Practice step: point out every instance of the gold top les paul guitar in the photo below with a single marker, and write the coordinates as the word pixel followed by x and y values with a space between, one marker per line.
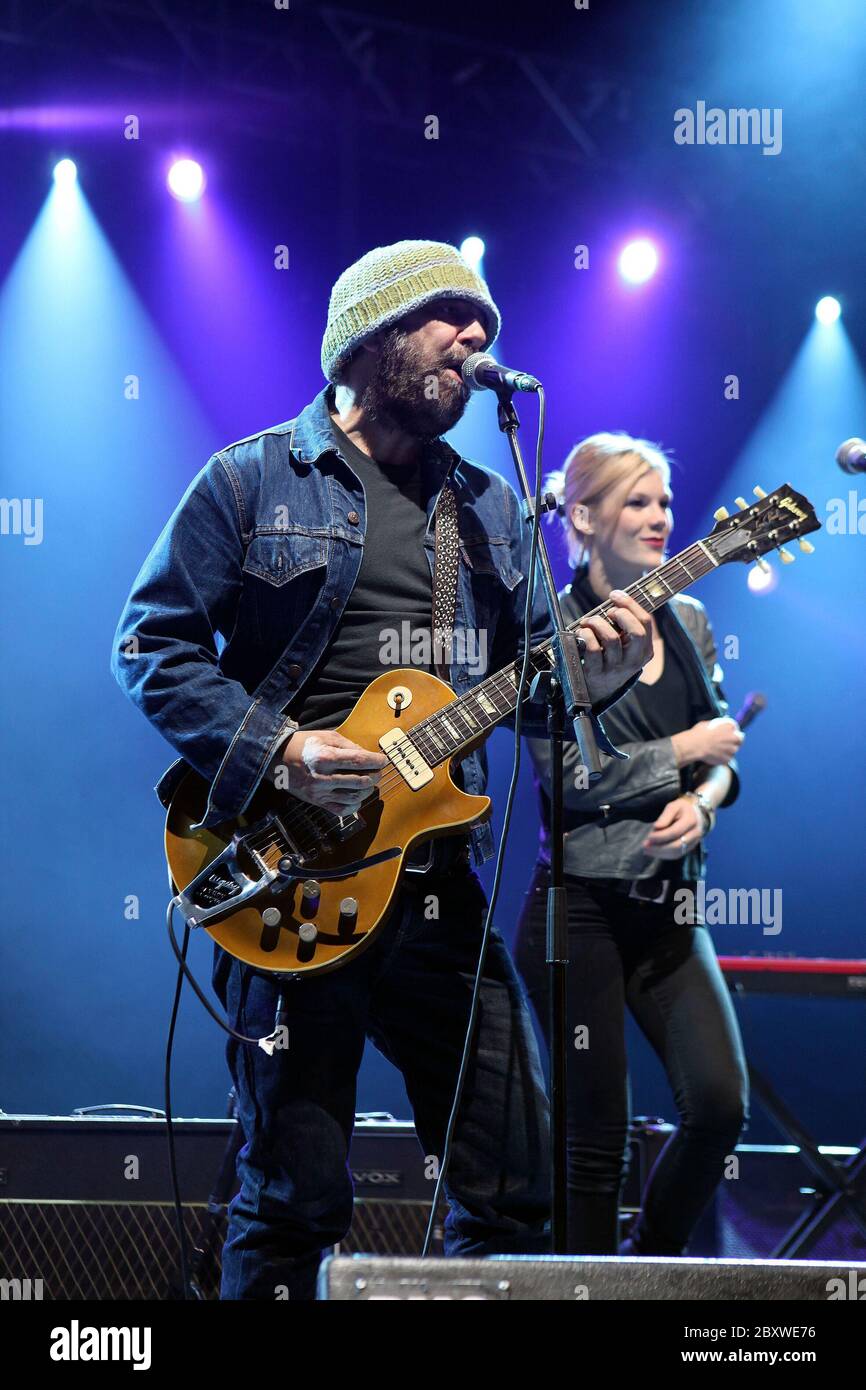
pixel 292 888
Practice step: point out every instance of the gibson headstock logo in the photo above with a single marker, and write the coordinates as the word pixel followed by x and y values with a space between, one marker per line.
pixel 790 505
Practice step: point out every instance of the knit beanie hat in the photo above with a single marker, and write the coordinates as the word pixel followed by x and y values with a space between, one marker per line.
pixel 392 281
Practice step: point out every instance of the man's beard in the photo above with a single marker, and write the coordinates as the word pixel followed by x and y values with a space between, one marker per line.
pixel 410 393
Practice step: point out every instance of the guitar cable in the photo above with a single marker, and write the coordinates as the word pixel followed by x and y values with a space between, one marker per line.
pixel 184 970
pixel 183 1245
pixel 500 858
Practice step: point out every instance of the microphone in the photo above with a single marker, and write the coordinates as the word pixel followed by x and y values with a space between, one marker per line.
pixel 481 371
pixel 750 708
pixel 850 456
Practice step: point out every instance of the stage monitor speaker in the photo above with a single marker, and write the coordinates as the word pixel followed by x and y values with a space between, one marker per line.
pixel 563 1278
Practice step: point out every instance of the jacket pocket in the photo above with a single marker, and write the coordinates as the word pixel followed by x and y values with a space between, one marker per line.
pixel 278 557
pixel 283 577
pixel 484 557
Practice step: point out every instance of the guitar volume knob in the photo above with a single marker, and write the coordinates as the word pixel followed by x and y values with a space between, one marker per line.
pixel 348 909
pixel 308 931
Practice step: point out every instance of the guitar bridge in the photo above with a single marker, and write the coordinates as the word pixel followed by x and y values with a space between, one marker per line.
pixel 347 826
pixel 244 869
pixel 216 887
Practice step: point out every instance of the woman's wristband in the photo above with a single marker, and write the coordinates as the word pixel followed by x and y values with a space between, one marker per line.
pixel 703 803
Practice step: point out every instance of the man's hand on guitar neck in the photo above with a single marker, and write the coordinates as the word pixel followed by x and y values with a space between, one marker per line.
pixel 326 769
pixel 614 654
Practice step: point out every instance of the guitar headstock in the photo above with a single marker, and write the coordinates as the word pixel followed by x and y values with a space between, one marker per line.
pixel 776 518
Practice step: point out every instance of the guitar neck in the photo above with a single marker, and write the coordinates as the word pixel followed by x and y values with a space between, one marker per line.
pixel 656 588
pixel 461 723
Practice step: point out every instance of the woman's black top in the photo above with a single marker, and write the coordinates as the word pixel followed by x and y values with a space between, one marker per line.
pixel 666 704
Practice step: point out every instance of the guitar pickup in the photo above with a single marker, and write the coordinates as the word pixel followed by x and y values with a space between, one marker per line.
pixel 403 754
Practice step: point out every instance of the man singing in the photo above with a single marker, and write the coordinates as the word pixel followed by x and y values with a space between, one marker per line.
pixel 302 546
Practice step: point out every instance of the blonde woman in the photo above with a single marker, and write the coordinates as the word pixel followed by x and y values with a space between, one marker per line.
pixel 633 843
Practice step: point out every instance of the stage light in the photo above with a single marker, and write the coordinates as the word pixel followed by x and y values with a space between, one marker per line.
pixel 828 309
pixel 186 180
pixel 762 581
pixel 65 173
pixel 638 261
pixel 472 250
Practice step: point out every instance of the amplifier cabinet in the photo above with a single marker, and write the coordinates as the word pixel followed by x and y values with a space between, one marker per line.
pixel 772 1189
pixel 86 1207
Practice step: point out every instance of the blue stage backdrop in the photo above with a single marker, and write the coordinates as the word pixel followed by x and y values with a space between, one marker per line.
pixel 138 334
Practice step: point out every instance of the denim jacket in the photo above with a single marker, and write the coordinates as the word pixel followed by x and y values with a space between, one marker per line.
pixel 243 590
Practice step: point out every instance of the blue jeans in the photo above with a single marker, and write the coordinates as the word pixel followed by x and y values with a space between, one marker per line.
pixel 629 954
pixel 409 993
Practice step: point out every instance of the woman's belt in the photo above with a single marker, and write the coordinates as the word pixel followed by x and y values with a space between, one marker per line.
pixel 605 815
pixel 650 890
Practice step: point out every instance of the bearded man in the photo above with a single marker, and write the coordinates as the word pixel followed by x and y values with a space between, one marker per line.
pixel 302 546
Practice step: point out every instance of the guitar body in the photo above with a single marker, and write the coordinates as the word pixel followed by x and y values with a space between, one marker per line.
pixel 395 820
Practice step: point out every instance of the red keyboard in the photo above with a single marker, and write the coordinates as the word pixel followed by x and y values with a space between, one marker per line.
pixel 802 975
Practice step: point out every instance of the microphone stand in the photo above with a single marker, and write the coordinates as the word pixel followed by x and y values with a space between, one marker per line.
pixel 564 692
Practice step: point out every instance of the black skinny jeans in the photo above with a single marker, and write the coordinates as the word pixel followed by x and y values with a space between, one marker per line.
pixel 625 952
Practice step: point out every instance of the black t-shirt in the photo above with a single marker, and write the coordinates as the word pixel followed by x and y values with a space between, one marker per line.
pixel 393 588
pixel 665 706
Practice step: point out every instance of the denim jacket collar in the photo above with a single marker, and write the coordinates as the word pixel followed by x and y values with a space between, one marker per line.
pixel 312 436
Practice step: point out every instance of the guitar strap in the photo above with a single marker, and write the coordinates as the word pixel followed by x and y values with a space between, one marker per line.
pixel 446 565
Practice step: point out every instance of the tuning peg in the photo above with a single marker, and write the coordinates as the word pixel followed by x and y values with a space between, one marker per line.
pixel 758 491
pixel 785 556
pixel 762 565
pixel 806 546
pixel 721 514
pixel 741 503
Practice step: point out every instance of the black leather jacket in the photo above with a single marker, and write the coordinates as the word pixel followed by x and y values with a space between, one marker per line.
pixel 607 844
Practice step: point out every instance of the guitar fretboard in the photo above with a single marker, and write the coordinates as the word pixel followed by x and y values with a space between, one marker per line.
pixel 472 715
